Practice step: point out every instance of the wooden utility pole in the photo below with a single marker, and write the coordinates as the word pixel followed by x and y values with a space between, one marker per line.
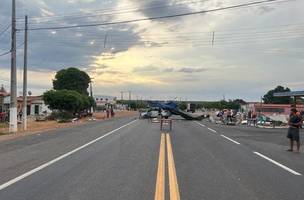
pixel 13 101
pixel 213 35
pixel 24 113
pixel 91 94
pixel 122 95
pixel 130 96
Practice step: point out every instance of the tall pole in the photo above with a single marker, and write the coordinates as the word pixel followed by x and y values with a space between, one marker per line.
pixel 24 113
pixel 213 38
pixel 91 94
pixel 130 96
pixel 122 95
pixel 13 102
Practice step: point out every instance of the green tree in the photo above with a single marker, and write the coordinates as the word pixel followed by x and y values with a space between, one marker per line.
pixel 182 105
pixel 239 101
pixel 270 99
pixel 67 101
pixel 72 79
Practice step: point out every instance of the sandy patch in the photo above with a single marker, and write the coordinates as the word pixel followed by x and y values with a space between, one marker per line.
pixel 35 127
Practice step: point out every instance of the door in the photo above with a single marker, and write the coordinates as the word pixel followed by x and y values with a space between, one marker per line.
pixel 36 109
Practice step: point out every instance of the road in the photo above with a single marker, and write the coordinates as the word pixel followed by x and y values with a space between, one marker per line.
pixel 133 160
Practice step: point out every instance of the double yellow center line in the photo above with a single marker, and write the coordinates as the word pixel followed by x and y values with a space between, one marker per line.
pixel 161 171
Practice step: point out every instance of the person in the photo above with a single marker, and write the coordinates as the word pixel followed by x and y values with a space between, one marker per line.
pixel 249 120
pixel 254 119
pixel 229 116
pixel 112 112
pixel 293 134
pixel 108 112
pixel 20 115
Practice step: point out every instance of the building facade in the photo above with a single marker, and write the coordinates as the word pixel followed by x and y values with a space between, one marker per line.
pixel 270 109
pixel 35 105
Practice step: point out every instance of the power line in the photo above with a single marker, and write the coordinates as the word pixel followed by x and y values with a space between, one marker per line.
pixel 153 18
pixel 185 36
pixel 8 52
pixel 5 53
pixel 2 32
pixel 193 43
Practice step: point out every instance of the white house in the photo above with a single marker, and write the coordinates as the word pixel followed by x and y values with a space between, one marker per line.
pixel 35 105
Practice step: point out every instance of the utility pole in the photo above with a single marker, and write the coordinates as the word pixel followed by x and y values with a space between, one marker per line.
pixel 25 75
pixel 122 95
pixel 91 94
pixel 105 41
pixel 213 38
pixel 130 96
pixel 13 101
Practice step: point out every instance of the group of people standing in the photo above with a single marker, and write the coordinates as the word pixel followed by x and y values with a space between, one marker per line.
pixel 110 111
pixel 226 115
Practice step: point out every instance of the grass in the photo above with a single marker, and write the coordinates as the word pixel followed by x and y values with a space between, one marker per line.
pixel 4 133
pixel 3 125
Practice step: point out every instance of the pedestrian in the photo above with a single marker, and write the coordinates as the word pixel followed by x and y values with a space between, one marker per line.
pixel 249 119
pixel 112 112
pixel 295 122
pixel 254 119
pixel 20 115
pixel 108 113
pixel 229 116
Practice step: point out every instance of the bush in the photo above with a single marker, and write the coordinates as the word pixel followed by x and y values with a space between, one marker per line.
pixel 56 115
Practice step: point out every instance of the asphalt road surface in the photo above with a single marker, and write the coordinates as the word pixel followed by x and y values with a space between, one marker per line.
pixel 132 159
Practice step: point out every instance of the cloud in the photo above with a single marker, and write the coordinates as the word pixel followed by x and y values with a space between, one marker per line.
pixel 191 70
pixel 145 69
pixel 254 49
pixel 161 7
pixel 154 69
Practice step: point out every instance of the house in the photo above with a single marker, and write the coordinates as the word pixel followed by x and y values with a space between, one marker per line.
pixel 35 105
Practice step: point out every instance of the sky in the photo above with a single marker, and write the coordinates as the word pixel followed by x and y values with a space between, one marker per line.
pixel 235 53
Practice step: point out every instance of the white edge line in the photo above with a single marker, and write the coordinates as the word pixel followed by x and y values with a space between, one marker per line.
pixel 200 124
pixel 230 139
pixel 15 180
pixel 210 129
pixel 278 164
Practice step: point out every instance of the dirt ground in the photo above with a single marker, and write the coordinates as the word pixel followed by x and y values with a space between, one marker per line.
pixel 35 127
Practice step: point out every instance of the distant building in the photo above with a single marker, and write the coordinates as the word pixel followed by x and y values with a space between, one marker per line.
pixel 270 109
pixel 102 100
pixel 297 96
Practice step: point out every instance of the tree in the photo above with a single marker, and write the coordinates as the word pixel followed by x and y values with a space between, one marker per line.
pixel 67 101
pixel 72 79
pixel 239 101
pixel 270 99
pixel 182 105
